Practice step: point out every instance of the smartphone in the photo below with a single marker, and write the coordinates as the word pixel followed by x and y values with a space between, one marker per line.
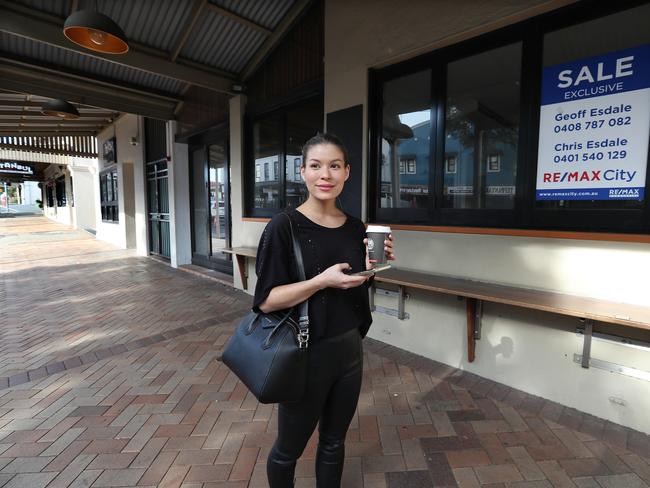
pixel 370 272
pixel 367 272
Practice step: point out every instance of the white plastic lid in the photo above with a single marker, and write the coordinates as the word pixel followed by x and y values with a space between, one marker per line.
pixel 378 228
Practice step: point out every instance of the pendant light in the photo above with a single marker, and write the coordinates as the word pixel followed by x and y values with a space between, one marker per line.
pixel 96 32
pixel 60 108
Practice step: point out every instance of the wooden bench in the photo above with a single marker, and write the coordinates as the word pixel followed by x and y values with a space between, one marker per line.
pixel 242 254
pixel 590 310
pixel 477 292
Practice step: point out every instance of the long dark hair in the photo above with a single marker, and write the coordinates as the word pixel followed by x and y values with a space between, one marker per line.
pixel 324 138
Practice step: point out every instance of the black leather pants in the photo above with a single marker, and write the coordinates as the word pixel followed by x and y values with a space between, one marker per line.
pixel 331 395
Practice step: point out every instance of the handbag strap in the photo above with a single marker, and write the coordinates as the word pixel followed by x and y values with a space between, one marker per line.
pixel 303 309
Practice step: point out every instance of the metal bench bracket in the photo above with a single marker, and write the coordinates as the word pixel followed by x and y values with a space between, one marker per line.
pixel 401 296
pixel 586 345
pixel 474 315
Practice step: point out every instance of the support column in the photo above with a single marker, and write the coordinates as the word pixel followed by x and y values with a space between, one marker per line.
pixel 237 110
pixel 140 186
pixel 179 200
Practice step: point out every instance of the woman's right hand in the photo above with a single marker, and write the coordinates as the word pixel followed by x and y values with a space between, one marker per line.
pixel 335 277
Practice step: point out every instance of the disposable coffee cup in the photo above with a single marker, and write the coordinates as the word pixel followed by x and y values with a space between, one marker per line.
pixel 377 234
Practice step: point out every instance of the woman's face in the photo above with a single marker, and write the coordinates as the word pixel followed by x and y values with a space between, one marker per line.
pixel 325 172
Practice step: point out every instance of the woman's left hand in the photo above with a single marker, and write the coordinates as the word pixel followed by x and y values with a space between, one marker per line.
pixel 388 249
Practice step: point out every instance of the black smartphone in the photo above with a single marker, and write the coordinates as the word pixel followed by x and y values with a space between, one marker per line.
pixel 370 272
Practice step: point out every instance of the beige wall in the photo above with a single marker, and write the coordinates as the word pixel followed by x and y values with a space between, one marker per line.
pixel 63 215
pixel 83 178
pixel 130 231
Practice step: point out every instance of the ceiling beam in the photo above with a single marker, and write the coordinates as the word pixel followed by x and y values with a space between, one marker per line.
pixel 197 8
pixel 23 78
pixel 287 22
pixel 20 21
pixel 36 113
pixel 83 109
pixel 46 133
pixel 238 18
pixel 60 152
pixel 24 123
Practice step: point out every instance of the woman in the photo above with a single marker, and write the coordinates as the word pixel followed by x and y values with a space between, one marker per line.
pixel 333 244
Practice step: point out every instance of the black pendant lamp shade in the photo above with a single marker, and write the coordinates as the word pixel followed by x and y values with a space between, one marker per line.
pixel 96 32
pixel 61 109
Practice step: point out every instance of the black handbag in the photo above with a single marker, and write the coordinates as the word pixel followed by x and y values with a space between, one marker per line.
pixel 268 351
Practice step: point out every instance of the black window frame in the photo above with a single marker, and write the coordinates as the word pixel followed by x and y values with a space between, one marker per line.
pixel 61 197
pixel 254 114
pixel 49 195
pixel 525 214
pixel 110 209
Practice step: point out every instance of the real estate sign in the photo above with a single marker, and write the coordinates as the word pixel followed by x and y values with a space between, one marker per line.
pixel 594 128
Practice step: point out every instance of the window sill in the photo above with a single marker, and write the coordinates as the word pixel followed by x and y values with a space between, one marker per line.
pixel 546 234
pixel 549 234
pixel 256 219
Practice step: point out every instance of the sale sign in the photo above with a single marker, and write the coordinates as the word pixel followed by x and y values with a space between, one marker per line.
pixel 594 128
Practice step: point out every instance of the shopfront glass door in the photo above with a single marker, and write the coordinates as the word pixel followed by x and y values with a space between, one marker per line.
pixel 219 214
pixel 210 207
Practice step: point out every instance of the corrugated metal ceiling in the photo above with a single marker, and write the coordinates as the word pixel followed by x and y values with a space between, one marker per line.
pixel 222 42
pixel 47 54
pixel 269 14
pixel 216 43
pixel 155 23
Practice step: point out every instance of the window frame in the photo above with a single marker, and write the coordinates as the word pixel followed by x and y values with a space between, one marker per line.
pixel 49 195
pixel 105 204
pixel 60 191
pixel 525 214
pixel 254 115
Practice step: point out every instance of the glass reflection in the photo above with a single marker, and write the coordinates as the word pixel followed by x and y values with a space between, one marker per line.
pixel 267 147
pixel 405 143
pixel 482 129
pixel 218 204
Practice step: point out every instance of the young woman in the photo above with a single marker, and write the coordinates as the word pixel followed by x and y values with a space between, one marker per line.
pixel 333 244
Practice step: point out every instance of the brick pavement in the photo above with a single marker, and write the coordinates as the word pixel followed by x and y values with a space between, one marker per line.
pixel 165 412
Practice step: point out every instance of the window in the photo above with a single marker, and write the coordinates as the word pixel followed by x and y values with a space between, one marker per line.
pixel 407 166
pixel 493 163
pixel 405 135
pixel 276 151
pixel 297 164
pixel 450 163
pixel 568 44
pixel 60 191
pixel 108 196
pixel 49 194
pixel 470 118
pixel 267 147
pixel 481 116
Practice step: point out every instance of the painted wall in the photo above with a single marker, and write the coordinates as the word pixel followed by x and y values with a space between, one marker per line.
pixel 82 172
pixel 531 351
pixel 130 231
pixel 31 193
pixel 179 198
pixel 63 214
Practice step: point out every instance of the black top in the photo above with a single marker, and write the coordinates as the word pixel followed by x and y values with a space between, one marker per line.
pixel 332 311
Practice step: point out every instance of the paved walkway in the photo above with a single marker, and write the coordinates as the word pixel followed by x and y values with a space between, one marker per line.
pixel 110 377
